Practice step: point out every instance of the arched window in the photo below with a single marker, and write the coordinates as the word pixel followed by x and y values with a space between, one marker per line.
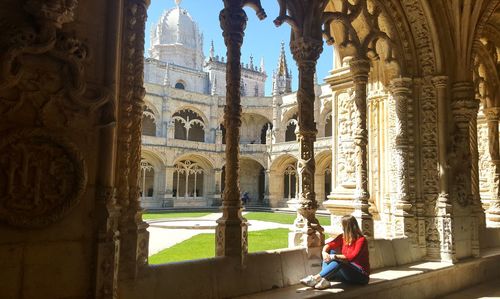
pixel 290 128
pixel 180 85
pixel 290 182
pixel 328 125
pixel 263 133
pixel 188 179
pixel 148 123
pixel 189 125
pixel 148 176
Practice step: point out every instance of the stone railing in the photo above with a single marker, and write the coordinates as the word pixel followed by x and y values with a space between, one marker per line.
pixel 153 140
pixel 292 146
pixel 194 145
pixel 252 148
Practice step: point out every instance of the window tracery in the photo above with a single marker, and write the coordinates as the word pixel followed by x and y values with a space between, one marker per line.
pixel 188 179
pixel 189 125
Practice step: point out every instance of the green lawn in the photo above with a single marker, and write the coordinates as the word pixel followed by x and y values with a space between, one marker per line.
pixel 282 217
pixel 170 215
pixel 203 246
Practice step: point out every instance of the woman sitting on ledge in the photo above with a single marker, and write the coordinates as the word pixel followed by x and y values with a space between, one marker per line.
pixel 351 264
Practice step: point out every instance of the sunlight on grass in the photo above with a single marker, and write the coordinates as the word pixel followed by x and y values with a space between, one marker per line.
pixel 282 217
pixel 171 215
pixel 203 246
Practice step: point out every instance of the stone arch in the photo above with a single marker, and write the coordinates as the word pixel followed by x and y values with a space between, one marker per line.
pixel 289 114
pixel 194 109
pixel 251 127
pixel 202 159
pixel 150 183
pixel 290 127
pixel 193 175
pixel 150 117
pixel 279 163
pixel 189 125
pixel 180 84
pixel 252 180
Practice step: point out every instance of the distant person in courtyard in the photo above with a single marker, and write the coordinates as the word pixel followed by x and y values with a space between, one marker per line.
pixel 245 198
pixel 345 258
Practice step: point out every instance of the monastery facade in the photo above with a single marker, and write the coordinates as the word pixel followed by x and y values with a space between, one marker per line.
pixel 183 132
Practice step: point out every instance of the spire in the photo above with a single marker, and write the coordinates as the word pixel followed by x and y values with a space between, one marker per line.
pixel 282 79
pixel 282 66
pixel 262 69
pixel 251 61
pixel 212 50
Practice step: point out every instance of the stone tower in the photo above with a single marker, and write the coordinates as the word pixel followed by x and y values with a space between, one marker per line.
pixel 282 77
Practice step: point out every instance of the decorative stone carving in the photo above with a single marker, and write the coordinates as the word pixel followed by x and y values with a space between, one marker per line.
pixel 133 234
pixel 401 91
pixel 306 45
pixel 42 177
pixel 360 69
pixel 231 231
pixel 493 118
pixel 346 169
pixel 464 109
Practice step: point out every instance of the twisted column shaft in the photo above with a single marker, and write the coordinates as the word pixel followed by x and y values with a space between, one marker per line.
pixel 405 225
pixel 360 69
pixel 231 231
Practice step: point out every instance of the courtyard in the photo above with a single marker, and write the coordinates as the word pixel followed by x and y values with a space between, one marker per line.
pixel 187 235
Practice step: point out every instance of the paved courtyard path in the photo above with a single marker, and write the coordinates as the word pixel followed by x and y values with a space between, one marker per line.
pixel 161 238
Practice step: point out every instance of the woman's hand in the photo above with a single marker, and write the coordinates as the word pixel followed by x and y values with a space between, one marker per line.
pixel 326 257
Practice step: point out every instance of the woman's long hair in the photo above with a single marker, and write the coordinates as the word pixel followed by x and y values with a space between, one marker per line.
pixel 351 229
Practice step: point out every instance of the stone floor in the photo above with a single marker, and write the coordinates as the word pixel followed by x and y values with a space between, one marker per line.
pixel 485 290
pixel 417 280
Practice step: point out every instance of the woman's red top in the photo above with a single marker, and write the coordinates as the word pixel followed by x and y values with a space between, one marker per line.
pixel 356 252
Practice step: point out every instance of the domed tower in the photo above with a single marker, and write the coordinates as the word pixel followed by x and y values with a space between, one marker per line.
pixel 176 39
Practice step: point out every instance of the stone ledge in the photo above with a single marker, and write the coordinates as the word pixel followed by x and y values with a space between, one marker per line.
pixel 416 280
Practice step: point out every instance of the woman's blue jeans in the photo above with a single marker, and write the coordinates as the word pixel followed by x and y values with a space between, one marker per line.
pixel 345 271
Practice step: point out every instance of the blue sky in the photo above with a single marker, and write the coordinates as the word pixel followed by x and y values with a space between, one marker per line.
pixel 262 38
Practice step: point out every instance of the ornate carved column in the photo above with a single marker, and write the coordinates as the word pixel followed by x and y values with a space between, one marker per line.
pixel 464 110
pixel 493 118
pixel 133 233
pixel 231 231
pixel 360 69
pixel 404 210
pixel 306 45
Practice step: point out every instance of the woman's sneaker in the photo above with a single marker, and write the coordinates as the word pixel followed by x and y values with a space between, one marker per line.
pixel 322 284
pixel 310 281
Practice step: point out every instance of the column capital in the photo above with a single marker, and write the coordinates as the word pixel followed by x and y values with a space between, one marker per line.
pixel 440 81
pixel 464 106
pixel 401 85
pixel 492 113
pixel 306 51
pixel 360 68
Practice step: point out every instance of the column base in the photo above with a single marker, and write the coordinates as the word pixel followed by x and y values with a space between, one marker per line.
pixel 299 238
pixel 293 204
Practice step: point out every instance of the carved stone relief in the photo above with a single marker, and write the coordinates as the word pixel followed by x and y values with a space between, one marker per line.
pixel 346 169
pixel 41 177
